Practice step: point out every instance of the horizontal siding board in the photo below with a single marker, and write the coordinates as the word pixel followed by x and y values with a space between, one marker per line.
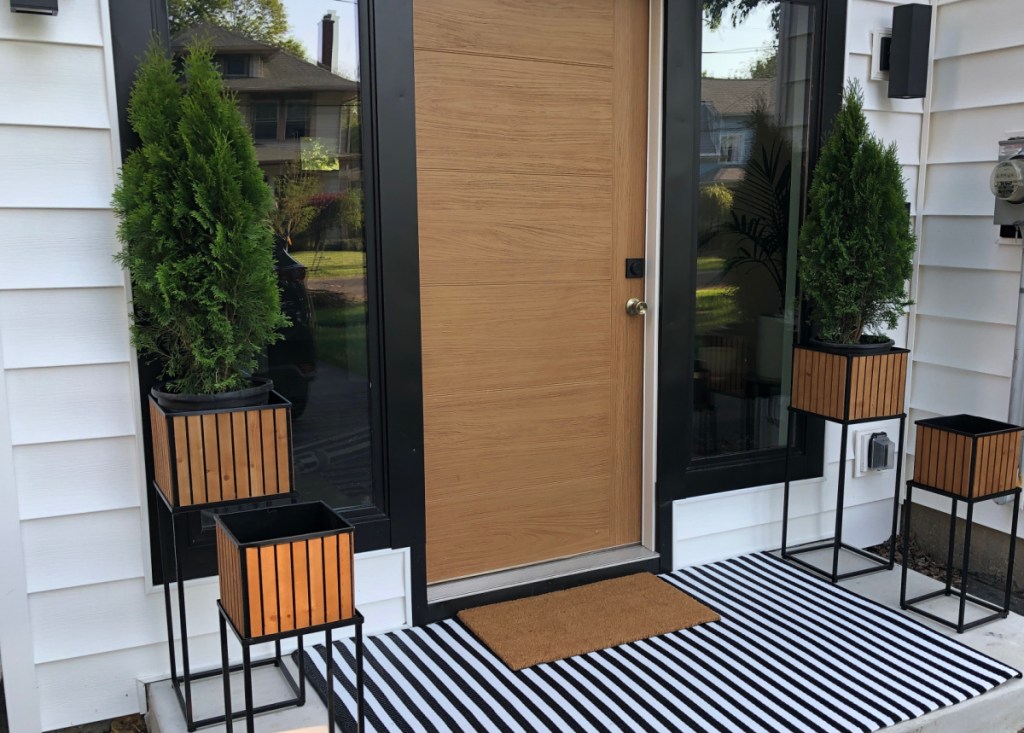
pixel 986 348
pixel 77 477
pixel 902 128
pixel 967 243
pixel 64 552
pixel 78 621
pixel 979 80
pixel 972 135
pixel 977 26
pixel 969 295
pixel 54 167
pixel 43 328
pixel 70 403
pixel 54 85
pixel 77 251
pixel 949 391
pixel 79 22
pixel 959 189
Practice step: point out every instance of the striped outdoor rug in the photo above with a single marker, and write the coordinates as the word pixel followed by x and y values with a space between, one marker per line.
pixel 791 653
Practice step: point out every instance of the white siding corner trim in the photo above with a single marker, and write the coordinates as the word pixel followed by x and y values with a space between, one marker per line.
pixel 16 653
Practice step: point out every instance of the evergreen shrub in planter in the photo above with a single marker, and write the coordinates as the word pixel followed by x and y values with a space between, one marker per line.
pixel 194 220
pixel 856 256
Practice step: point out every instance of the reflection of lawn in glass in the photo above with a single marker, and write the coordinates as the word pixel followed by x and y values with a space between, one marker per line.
pixel 332 264
pixel 341 336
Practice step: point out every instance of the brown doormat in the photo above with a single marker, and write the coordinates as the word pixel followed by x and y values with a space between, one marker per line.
pixel 579 620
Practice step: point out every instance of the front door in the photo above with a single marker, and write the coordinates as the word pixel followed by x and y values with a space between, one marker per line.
pixel 531 122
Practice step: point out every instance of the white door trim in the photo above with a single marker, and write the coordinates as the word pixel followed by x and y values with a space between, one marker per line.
pixel 652 281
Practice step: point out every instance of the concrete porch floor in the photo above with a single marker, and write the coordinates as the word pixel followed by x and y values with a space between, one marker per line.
pixel 998 711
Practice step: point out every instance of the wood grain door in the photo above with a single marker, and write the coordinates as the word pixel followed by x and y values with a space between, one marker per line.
pixel 531 163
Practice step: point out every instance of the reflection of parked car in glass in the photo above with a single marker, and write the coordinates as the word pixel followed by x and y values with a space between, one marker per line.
pixel 291 362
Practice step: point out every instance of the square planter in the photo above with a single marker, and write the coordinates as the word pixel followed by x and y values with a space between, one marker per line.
pixel 849 387
pixel 967 456
pixel 209 456
pixel 285 568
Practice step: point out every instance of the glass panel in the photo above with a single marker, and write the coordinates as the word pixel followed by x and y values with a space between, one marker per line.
pixel 756 79
pixel 304 104
pixel 264 121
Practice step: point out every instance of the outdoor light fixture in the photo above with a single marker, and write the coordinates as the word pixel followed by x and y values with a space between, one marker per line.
pixel 36 7
pixel 908 51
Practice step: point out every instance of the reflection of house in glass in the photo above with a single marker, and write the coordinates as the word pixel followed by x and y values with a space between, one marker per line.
pixel 727 134
pixel 296 110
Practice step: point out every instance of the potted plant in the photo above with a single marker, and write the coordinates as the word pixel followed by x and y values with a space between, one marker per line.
pixel 759 228
pixel 194 221
pixel 856 257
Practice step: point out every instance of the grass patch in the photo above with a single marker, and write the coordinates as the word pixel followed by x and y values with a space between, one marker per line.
pixel 341 336
pixel 332 264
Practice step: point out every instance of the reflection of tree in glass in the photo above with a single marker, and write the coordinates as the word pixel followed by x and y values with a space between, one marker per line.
pixel 714 11
pixel 261 20
pixel 293 212
pixel 759 220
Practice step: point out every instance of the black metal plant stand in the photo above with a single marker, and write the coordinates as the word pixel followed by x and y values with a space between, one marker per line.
pixel 909 604
pixel 836 543
pixel 247 665
pixel 177 517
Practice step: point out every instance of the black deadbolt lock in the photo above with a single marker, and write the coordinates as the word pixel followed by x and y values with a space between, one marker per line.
pixel 635 267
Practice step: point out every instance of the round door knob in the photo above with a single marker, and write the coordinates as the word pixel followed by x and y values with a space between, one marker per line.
pixel 636 307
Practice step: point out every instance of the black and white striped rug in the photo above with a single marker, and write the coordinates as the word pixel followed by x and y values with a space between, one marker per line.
pixel 791 653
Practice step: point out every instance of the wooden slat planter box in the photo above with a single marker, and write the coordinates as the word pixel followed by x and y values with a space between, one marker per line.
pixel 877 383
pixel 210 456
pixel 285 568
pixel 967 456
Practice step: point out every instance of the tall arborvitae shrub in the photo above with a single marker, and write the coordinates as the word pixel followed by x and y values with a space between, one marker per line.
pixel 194 212
pixel 856 244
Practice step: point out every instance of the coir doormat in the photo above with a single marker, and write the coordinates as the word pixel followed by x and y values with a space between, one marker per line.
pixel 596 616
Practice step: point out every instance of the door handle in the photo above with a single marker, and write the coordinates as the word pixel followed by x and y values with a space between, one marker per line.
pixel 636 307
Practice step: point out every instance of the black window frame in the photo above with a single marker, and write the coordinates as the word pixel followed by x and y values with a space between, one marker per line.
pixel 679 475
pixel 223 60
pixel 395 519
pixel 276 119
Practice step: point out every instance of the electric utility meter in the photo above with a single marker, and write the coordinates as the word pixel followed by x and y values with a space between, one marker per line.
pixel 1007 182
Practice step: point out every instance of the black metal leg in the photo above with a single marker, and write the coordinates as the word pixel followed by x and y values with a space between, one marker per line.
pixel 160 530
pixel 250 724
pixel 966 566
pixel 277 653
pixel 896 495
pixel 225 673
pixel 906 545
pixel 359 676
pixel 179 564
pixel 785 486
pixel 302 675
pixel 840 499
pixel 950 546
pixel 330 682
pixel 1013 549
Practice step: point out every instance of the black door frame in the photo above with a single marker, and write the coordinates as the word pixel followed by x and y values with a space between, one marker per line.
pixel 677 476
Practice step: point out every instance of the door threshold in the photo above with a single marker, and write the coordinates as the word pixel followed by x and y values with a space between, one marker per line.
pixel 504 579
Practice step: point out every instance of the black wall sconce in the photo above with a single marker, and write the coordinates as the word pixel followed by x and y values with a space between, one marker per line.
pixel 36 7
pixel 905 55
